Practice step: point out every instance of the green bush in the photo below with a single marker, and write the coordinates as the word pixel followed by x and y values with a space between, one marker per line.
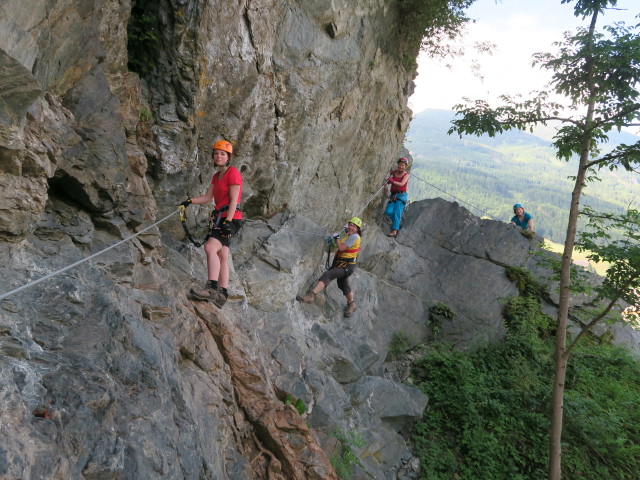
pixel 398 345
pixel 298 404
pixel 438 313
pixel 527 286
pixel 345 464
pixel 143 41
pixel 488 413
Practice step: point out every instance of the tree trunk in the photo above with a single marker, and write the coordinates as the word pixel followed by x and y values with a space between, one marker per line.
pixel 561 354
pixel 557 398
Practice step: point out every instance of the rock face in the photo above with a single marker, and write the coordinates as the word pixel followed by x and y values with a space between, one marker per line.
pixel 107 370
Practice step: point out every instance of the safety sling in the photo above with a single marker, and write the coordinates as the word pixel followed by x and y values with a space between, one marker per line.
pixel 214 223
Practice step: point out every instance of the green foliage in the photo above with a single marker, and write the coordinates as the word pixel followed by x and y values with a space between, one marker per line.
pixel 143 42
pixel 145 114
pixel 488 409
pixel 527 233
pixel 525 321
pixel 437 314
pixel 601 70
pixel 297 403
pixel 427 23
pixel 623 254
pixel 526 284
pixel 601 428
pixel 398 345
pixel 345 463
pixel 596 73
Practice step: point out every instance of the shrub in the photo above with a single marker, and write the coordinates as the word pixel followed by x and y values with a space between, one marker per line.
pixel 345 463
pixel 488 413
pixel 143 41
pixel 298 404
pixel 437 314
pixel 398 345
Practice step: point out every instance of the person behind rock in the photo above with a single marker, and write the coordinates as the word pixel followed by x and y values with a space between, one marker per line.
pixel 344 263
pixel 521 218
pixel 398 196
pixel 226 191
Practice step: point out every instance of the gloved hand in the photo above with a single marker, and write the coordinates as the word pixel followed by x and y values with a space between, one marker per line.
pixel 225 228
pixel 389 180
pixel 335 235
pixel 186 203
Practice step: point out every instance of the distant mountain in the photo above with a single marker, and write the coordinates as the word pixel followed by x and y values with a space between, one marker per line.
pixel 488 175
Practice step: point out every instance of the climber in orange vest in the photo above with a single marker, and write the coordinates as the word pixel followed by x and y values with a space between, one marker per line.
pixel 225 190
pixel 344 263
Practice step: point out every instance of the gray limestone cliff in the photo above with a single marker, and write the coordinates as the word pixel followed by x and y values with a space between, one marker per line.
pixel 108 370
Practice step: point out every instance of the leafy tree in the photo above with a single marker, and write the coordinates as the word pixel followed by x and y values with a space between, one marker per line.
pixel 623 254
pixel 427 24
pixel 598 73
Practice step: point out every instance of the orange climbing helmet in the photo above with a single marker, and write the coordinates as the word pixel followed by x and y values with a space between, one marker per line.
pixel 224 146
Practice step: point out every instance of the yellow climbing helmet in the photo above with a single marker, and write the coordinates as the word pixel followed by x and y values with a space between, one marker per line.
pixel 356 221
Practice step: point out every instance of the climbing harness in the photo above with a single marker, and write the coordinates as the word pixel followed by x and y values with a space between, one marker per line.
pixel 57 272
pixel 214 220
pixel 394 197
pixel 339 262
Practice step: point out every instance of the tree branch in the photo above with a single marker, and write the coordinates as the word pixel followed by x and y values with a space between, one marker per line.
pixel 601 315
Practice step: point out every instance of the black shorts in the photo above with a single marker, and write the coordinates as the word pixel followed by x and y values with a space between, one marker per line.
pixel 341 274
pixel 236 225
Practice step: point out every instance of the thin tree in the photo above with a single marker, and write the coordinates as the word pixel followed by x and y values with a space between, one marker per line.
pixel 598 73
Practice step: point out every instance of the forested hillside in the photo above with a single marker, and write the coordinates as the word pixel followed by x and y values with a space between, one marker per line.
pixel 488 175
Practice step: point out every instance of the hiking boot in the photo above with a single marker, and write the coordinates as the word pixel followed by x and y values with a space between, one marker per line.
pixel 220 299
pixel 205 293
pixel 349 309
pixel 308 297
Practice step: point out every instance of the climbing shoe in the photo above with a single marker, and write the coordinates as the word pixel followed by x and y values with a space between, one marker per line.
pixel 349 309
pixel 308 297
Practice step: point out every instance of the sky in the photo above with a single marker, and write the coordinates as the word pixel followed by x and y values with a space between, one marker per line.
pixel 519 28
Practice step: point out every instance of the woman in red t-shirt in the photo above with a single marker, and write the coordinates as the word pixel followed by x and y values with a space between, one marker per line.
pixel 226 191
pixel 398 196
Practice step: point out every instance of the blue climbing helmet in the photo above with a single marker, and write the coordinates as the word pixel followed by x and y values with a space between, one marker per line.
pixel 517 205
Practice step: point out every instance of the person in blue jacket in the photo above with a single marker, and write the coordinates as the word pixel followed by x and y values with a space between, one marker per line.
pixel 521 218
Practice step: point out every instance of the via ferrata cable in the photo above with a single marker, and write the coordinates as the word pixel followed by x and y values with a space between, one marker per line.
pixel 57 272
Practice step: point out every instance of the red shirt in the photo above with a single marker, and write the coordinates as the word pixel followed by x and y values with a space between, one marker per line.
pixel 221 189
pixel 396 188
